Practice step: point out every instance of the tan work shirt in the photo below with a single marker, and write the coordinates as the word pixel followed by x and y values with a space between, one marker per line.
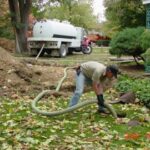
pixel 96 72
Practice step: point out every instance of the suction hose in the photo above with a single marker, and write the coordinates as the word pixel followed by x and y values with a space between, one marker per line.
pixel 69 109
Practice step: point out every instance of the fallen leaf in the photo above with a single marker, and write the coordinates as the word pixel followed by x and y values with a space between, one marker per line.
pixel 82 135
pixel 133 123
pixel 148 135
pixel 131 136
pixel 93 139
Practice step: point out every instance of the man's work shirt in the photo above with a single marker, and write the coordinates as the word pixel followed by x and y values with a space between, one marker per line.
pixel 96 72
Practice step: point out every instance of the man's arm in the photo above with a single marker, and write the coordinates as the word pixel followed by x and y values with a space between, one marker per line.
pixel 98 88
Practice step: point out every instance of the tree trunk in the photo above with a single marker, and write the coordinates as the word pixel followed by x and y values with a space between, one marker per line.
pixel 19 10
pixel 136 60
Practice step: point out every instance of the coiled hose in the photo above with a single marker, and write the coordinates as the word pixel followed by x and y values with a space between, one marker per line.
pixel 69 109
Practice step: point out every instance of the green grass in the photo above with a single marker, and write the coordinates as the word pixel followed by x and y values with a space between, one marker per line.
pixel 99 54
pixel 81 129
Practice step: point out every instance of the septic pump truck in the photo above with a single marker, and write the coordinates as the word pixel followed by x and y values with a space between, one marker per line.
pixel 56 38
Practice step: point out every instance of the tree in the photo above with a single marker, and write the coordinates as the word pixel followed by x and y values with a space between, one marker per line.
pixel 77 13
pixel 19 11
pixel 5 23
pixel 125 13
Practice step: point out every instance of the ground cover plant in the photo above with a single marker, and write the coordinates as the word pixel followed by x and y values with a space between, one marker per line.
pixel 141 87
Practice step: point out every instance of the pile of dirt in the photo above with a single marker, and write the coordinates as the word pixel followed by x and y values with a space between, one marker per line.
pixel 18 78
pixel 7 44
pixel 13 73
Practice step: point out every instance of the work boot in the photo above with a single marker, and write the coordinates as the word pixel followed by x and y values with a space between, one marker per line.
pixel 103 110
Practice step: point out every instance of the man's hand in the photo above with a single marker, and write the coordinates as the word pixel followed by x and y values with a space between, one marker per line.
pixel 97 87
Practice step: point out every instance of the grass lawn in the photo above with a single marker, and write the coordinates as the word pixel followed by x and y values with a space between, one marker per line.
pixel 99 54
pixel 83 129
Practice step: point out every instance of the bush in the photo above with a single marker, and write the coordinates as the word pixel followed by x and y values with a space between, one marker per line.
pixel 103 42
pixel 145 39
pixel 141 88
pixel 127 42
pixel 146 57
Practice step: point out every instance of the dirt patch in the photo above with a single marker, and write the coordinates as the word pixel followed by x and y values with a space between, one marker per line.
pixel 27 77
pixel 7 44
pixel 20 78
pixel 133 70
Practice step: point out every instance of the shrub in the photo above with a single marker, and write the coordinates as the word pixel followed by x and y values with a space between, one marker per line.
pixel 141 88
pixel 145 39
pixel 102 42
pixel 127 42
pixel 146 57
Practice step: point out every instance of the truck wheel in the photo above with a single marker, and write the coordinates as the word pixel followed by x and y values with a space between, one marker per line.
pixel 87 50
pixel 63 50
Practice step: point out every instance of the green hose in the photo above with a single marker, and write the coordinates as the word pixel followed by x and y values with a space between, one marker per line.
pixel 69 109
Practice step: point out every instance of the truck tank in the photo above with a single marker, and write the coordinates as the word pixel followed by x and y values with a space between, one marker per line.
pixel 54 29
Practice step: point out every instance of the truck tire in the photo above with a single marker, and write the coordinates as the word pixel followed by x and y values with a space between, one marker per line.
pixel 87 50
pixel 63 50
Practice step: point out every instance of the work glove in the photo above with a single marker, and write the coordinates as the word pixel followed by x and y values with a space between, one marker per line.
pixel 101 106
pixel 100 100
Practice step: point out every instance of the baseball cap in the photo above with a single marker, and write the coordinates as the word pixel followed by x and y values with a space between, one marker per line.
pixel 114 69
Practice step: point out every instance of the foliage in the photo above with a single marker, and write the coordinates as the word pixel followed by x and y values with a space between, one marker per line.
pixel 127 42
pixel 141 87
pixel 38 8
pixel 109 29
pixel 125 13
pixel 145 39
pixel 146 56
pixel 79 14
pixel 6 32
pixel 103 42
pixel 5 23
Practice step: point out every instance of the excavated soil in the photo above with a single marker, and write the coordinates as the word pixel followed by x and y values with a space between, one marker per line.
pixel 25 78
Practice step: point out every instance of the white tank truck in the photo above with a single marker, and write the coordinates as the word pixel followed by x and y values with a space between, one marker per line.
pixel 56 38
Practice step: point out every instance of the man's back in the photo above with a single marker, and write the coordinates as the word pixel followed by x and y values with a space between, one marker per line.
pixel 93 70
